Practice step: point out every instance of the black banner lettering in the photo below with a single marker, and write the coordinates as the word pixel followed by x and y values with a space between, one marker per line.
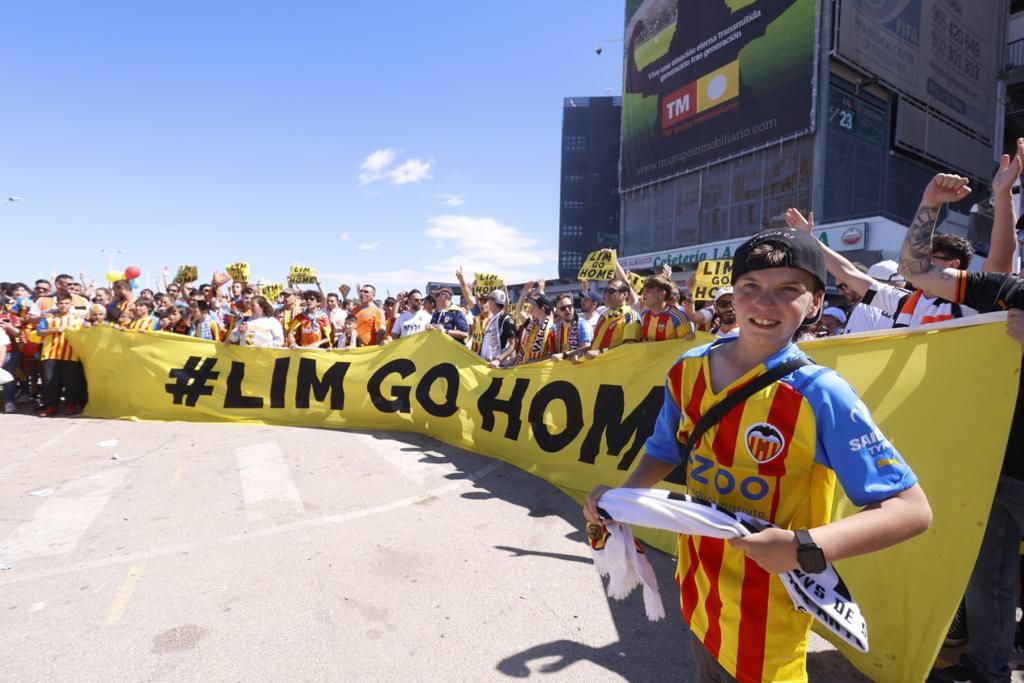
pixel 567 394
pixel 332 382
pixel 638 425
pixel 278 382
pixel 489 403
pixel 399 403
pixel 234 397
pixel 450 374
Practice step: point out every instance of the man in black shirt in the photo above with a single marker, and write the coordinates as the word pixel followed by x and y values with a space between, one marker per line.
pixel 991 593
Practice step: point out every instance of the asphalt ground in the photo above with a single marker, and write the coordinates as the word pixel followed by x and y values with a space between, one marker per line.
pixel 183 552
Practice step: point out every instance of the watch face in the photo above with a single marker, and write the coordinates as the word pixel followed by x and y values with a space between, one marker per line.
pixel 811 559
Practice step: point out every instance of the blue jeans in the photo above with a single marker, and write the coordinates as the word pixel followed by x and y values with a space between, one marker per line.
pixel 11 363
pixel 992 593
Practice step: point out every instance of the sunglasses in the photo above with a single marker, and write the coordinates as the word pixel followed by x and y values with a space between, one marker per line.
pixel 566 307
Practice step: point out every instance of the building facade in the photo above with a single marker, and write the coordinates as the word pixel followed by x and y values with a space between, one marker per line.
pixel 865 103
pixel 589 213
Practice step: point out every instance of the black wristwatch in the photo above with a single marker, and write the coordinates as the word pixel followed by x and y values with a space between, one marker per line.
pixel 808 553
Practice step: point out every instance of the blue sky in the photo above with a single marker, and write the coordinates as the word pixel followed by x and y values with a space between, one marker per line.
pixel 383 142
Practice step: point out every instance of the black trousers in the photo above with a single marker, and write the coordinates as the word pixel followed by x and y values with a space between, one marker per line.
pixel 708 668
pixel 67 375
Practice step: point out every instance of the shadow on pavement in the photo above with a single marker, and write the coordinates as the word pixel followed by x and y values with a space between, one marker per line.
pixel 649 651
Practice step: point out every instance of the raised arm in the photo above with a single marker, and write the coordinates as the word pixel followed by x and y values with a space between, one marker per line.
pixel 468 297
pixel 916 253
pixel 1002 253
pixel 838 265
pixel 623 274
pixel 522 315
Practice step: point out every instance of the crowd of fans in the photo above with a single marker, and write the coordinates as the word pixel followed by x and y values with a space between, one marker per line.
pixel 569 327
pixel 573 327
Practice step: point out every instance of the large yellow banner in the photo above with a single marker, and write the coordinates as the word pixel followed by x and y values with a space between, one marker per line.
pixel 943 397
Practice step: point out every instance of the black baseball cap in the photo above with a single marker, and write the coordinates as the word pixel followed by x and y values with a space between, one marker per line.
pixel 542 301
pixel 802 251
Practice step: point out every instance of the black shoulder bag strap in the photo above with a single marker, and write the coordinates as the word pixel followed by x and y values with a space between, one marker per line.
pixel 725 406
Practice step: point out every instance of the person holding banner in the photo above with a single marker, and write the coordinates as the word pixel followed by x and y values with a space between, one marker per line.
pixel 539 338
pixel 62 370
pixel 619 324
pixel 776 454
pixel 289 310
pixel 311 328
pixel 660 320
pixel 258 329
pixel 369 315
pixel 574 335
pixel 410 321
pixel 991 598
pixel 447 317
pixel 142 319
pixel 499 343
pixel 202 323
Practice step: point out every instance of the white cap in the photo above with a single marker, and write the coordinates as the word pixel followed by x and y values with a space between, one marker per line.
pixel 836 313
pixel 722 291
pixel 883 270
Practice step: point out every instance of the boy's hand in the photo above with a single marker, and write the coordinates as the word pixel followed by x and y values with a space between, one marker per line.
pixel 773 549
pixel 590 507
pixel 945 188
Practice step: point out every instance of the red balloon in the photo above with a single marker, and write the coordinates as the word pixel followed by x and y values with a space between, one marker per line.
pixel 132 272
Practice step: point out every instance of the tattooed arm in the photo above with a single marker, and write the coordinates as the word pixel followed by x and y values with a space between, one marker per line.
pixel 916 253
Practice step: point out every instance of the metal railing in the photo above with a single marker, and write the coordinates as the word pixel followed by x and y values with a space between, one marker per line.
pixel 1015 54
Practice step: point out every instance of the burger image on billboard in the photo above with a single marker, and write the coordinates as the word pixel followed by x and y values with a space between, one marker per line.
pixel 852 236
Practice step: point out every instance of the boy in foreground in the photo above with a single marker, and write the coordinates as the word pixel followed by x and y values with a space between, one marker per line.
pixel 776 457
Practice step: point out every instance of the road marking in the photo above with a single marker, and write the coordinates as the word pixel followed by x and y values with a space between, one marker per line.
pixel 6 470
pixel 267 484
pixel 411 463
pixel 58 524
pixel 290 527
pixel 120 603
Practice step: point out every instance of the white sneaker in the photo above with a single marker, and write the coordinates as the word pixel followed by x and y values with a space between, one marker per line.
pixel 9 407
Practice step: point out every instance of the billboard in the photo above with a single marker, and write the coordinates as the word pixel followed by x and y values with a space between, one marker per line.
pixel 940 52
pixel 710 80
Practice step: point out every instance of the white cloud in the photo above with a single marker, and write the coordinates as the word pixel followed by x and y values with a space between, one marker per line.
pixel 449 199
pixel 344 237
pixel 476 244
pixel 410 171
pixel 375 164
pixel 367 246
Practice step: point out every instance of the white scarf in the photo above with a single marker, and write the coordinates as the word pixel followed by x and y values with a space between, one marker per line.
pixel 618 556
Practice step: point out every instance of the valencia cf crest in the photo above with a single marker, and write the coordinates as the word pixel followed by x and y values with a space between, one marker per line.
pixel 764 442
